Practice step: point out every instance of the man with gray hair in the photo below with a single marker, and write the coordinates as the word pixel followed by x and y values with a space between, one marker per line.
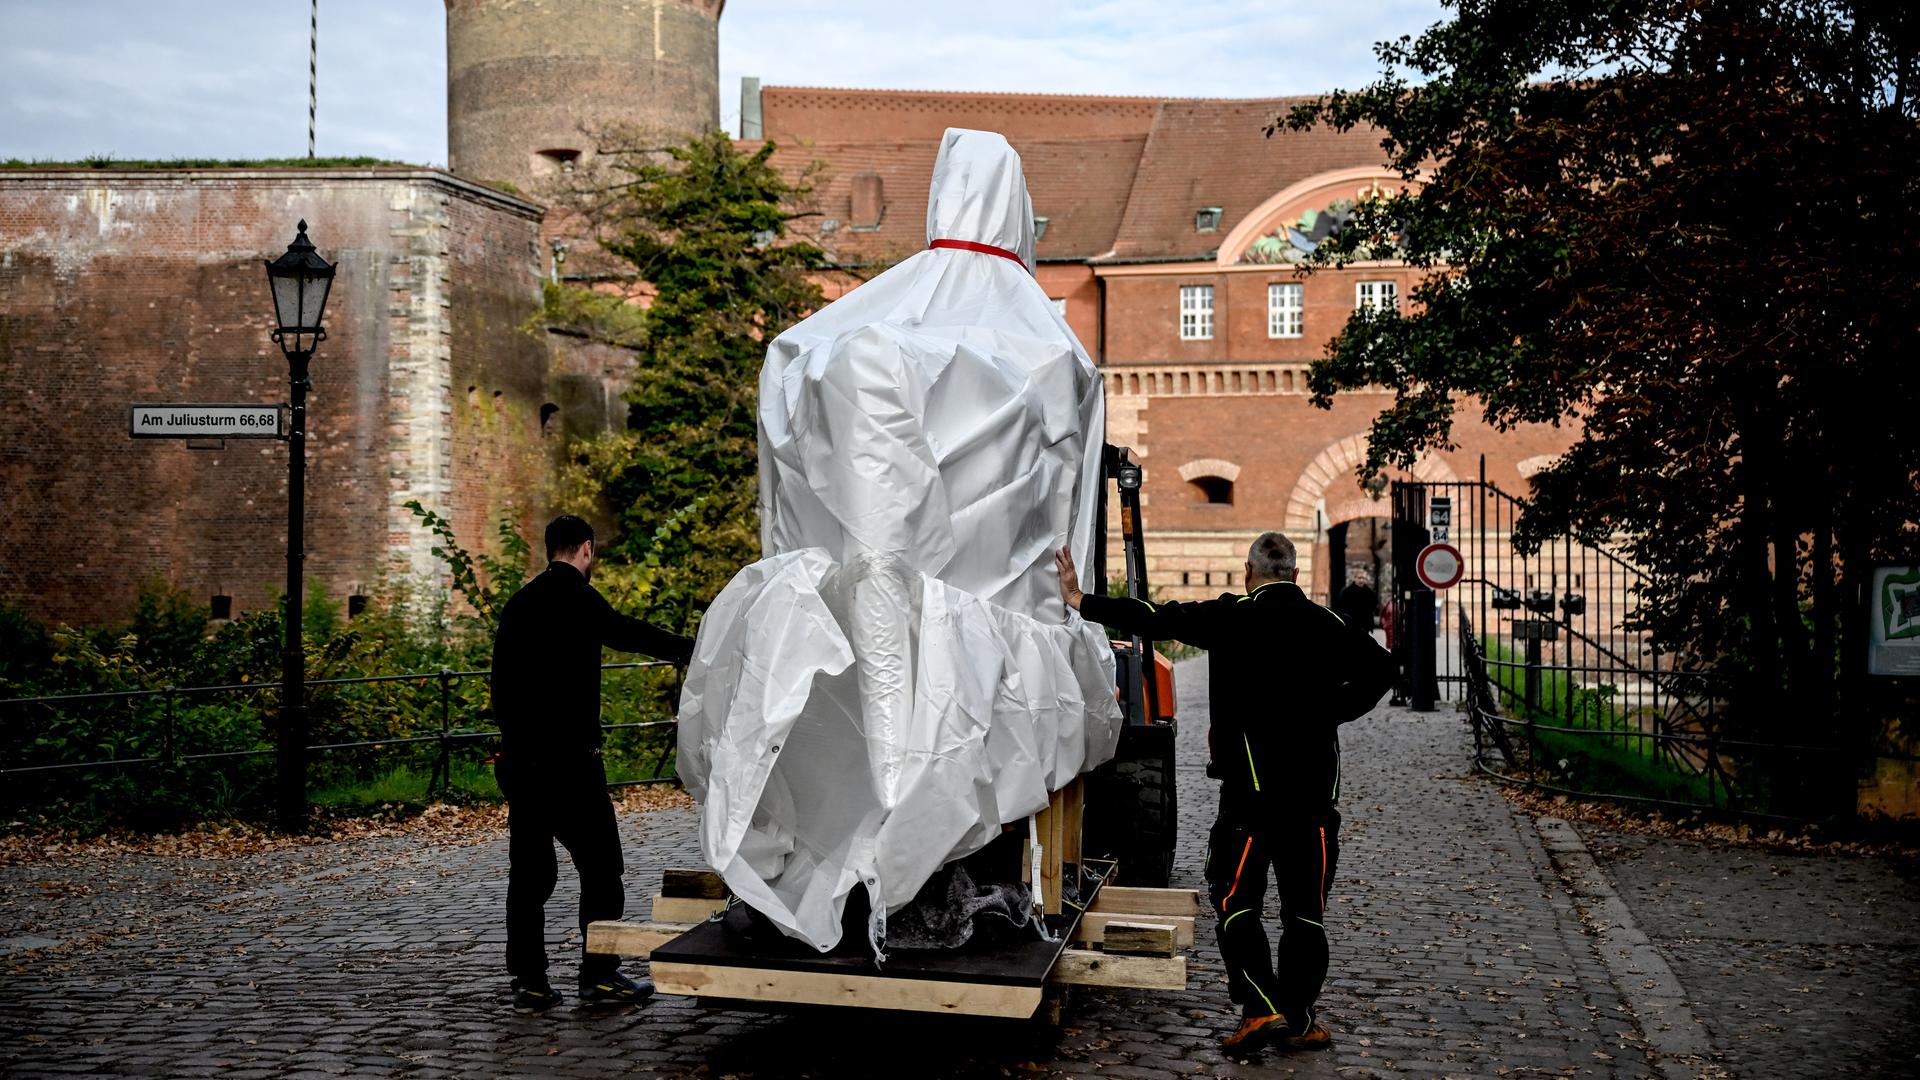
pixel 1284 673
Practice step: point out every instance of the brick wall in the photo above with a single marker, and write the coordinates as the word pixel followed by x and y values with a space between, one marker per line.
pixel 1292 464
pixel 148 286
pixel 1074 283
pixel 798 115
pixel 1143 311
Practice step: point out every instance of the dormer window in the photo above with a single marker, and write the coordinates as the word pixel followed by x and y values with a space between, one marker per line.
pixel 869 202
pixel 1206 219
pixel 1039 228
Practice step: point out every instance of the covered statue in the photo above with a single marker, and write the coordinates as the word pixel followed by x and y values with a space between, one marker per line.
pixel 898 677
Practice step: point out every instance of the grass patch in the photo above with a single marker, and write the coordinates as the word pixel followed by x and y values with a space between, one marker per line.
pixel 405 785
pixel 1609 753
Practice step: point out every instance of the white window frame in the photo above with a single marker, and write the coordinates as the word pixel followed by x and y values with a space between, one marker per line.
pixel 1379 295
pixel 1284 319
pixel 1196 313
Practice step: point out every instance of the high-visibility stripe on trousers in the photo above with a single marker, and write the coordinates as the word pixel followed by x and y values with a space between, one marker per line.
pixel 1302 857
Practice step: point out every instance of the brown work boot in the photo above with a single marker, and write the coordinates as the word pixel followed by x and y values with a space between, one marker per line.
pixel 1314 1038
pixel 1254 1033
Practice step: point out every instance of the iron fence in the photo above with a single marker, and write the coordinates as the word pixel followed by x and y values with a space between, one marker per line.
pixel 1544 649
pixel 153 732
pixel 1669 749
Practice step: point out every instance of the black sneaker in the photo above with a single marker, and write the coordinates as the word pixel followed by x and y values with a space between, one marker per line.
pixel 615 989
pixel 533 998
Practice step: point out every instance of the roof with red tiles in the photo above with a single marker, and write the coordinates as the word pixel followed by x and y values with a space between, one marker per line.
pixel 1079 186
pixel 1217 154
pixel 1116 178
pixel 802 115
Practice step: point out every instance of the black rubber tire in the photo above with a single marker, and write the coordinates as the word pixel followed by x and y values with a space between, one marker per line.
pixel 1133 808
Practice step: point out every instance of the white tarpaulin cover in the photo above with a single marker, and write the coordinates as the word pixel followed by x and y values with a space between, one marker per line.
pixel 898 677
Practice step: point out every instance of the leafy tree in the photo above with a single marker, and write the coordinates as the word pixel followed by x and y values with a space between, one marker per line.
pixel 168 624
pixel 1686 227
pixel 703 232
pixel 485 581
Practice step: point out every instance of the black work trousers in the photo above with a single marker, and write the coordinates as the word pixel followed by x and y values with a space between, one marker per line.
pixel 566 802
pixel 1301 854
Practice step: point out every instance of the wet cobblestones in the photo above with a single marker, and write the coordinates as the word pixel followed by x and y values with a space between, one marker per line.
pixel 1456 952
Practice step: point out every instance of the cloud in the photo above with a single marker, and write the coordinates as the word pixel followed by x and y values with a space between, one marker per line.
pixel 1204 48
pixel 220 78
pixel 228 78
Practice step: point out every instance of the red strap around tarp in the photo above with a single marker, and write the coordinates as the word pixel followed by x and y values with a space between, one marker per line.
pixel 984 249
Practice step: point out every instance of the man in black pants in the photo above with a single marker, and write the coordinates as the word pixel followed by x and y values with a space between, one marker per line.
pixel 1284 674
pixel 546 696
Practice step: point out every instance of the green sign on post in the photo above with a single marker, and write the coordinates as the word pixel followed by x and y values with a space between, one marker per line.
pixel 1894 646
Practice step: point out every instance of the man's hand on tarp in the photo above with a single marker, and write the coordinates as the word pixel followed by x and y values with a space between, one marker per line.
pixel 1069 578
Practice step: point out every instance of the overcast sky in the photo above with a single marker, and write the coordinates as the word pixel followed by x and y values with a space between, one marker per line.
pixel 228 78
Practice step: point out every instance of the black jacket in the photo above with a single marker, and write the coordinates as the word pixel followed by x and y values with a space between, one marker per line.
pixel 1357 604
pixel 546 663
pixel 1285 673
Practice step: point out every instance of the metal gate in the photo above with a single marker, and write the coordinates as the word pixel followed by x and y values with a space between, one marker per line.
pixel 1541 649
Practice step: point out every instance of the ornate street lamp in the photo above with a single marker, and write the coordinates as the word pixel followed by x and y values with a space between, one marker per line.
pixel 300 280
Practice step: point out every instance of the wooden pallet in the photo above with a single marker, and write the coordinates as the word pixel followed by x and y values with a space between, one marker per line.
pixel 1124 938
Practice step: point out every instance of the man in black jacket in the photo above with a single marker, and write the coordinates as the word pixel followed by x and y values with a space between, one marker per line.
pixel 546 697
pixel 1284 673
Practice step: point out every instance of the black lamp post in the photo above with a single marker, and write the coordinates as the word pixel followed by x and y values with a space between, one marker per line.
pixel 300 281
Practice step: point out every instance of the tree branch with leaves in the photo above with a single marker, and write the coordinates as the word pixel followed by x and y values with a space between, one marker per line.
pixel 1687 228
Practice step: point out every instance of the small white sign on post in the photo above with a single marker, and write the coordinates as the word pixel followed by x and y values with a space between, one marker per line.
pixel 206 421
pixel 1440 518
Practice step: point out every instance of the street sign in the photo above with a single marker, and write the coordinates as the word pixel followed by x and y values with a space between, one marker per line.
pixel 1894 603
pixel 206 421
pixel 1439 566
pixel 1440 517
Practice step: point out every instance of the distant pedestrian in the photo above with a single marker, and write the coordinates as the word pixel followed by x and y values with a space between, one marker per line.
pixel 1283 674
pixel 1357 604
pixel 546 697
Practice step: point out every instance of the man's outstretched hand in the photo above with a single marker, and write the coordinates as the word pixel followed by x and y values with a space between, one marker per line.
pixel 1069 578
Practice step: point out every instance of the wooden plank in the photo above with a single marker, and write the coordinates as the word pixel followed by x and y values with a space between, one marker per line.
pixel 839 988
pixel 1081 967
pixel 684 909
pixel 1144 939
pixel 1052 829
pixel 1093 926
pixel 622 938
pixel 1076 805
pixel 695 884
pixel 1135 901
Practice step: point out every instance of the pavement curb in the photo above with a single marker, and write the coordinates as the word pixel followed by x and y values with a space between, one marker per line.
pixel 1648 986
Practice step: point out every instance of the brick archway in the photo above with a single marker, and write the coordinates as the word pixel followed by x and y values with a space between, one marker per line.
pixel 1339 459
pixel 1225 470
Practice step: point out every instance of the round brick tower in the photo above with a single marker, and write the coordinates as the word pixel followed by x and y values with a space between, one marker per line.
pixel 526 77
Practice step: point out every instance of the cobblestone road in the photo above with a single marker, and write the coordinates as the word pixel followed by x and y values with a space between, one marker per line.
pixel 1456 952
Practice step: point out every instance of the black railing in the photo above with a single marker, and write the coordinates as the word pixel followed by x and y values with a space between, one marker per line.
pixel 442 731
pixel 1545 648
pixel 1563 730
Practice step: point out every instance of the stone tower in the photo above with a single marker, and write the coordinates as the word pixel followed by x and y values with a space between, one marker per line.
pixel 525 77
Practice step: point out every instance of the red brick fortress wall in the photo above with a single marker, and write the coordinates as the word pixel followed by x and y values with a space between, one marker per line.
pixel 148 287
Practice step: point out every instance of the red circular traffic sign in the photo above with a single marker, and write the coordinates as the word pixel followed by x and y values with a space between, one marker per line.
pixel 1440 566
